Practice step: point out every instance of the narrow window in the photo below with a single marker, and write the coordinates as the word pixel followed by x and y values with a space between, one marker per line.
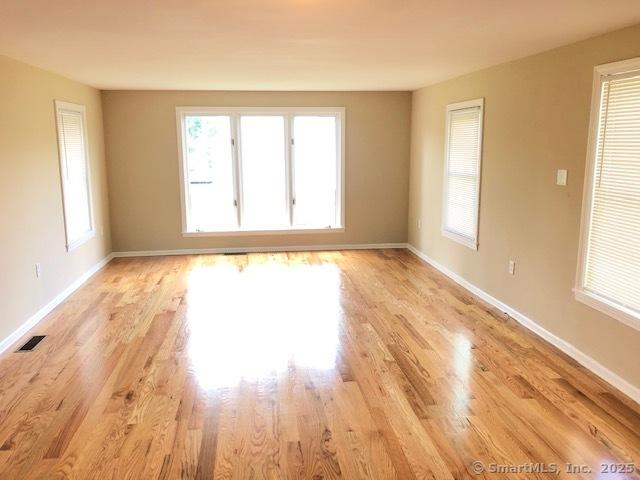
pixel 74 173
pixel 609 264
pixel 461 190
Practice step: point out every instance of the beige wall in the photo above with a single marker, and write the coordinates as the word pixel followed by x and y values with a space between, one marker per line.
pixel 536 121
pixel 30 193
pixel 140 135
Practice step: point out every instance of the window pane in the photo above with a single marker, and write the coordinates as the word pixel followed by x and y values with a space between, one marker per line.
pixel 210 173
pixel 264 201
pixel 315 171
pixel 76 188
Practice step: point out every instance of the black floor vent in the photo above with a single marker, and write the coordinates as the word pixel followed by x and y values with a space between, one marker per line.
pixel 32 343
pixel 235 253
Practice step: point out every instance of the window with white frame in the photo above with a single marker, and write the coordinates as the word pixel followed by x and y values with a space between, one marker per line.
pixel 609 263
pixel 461 189
pixel 74 173
pixel 261 169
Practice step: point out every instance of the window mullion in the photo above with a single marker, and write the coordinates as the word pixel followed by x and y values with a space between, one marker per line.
pixel 237 167
pixel 289 152
pixel 337 219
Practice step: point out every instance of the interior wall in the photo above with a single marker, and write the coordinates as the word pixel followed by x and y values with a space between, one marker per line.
pixel 535 121
pixel 31 212
pixel 141 145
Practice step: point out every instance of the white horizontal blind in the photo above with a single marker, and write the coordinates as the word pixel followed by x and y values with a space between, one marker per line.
pixel 612 267
pixel 75 173
pixel 461 201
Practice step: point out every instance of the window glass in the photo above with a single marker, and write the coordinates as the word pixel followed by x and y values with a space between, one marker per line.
pixel 210 173
pixel 264 194
pixel 314 170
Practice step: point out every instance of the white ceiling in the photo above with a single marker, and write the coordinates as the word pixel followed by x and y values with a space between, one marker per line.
pixel 291 44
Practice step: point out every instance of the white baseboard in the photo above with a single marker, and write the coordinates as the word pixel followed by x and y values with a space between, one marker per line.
pixel 582 358
pixel 300 248
pixel 33 320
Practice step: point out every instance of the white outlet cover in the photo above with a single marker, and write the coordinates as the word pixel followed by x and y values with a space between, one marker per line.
pixel 561 178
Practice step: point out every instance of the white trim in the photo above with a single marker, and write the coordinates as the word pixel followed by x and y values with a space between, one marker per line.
pixel 235 169
pixel 618 68
pixel 466 241
pixel 275 231
pixel 619 312
pixel 33 320
pixel 88 235
pixel 582 358
pixel 61 106
pixel 288 167
pixel 288 113
pixel 181 167
pixel 453 235
pixel 265 249
pixel 273 110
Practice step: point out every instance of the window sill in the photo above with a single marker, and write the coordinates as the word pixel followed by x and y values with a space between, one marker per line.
pixel 83 239
pixel 621 313
pixel 280 231
pixel 467 242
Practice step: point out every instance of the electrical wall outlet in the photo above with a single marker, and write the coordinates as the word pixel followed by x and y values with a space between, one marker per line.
pixel 419 222
pixel 38 270
pixel 512 267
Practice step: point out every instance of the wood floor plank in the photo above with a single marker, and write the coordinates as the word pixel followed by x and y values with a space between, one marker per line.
pixel 302 365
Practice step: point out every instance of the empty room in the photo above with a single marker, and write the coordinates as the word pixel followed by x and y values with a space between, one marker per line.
pixel 319 239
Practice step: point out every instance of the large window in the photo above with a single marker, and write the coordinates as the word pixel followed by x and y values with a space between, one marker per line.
pixel 74 173
pixel 461 189
pixel 260 170
pixel 609 264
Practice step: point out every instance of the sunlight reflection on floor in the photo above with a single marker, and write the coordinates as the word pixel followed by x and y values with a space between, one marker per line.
pixel 251 323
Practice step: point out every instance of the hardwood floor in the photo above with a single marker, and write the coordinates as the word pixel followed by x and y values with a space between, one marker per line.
pixel 359 364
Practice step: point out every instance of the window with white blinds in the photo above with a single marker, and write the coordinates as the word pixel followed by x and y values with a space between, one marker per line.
pixel 74 173
pixel 461 190
pixel 610 253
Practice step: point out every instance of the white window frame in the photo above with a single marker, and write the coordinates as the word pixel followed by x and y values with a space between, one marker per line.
pixel 478 102
pixel 288 113
pixel 613 309
pixel 61 106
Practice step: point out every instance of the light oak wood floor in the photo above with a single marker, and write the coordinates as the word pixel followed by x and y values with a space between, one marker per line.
pixel 359 364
